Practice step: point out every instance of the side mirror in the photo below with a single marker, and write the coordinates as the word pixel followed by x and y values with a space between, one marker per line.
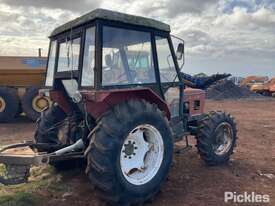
pixel 180 51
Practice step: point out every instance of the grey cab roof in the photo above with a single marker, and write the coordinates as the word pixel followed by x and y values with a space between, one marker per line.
pixel 113 16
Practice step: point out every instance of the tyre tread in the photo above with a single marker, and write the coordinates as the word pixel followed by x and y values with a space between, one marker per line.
pixel 105 141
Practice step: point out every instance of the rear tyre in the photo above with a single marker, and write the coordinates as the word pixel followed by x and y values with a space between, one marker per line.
pixel 130 153
pixel 9 104
pixel 33 104
pixel 216 138
pixel 47 131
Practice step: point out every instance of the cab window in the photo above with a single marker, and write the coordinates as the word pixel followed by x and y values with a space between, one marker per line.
pixel 51 63
pixel 127 57
pixel 69 52
pixel 166 63
pixel 89 58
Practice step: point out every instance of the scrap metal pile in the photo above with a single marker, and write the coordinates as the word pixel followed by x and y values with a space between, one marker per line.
pixel 202 82
pixel 218 87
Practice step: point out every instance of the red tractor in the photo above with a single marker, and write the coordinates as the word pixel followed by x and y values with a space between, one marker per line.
pixel 122 103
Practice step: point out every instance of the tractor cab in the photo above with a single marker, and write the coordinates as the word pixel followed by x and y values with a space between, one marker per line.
pixel 106 57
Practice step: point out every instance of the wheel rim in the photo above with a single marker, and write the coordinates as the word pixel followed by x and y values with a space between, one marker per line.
pixel 39 103
pixel 141 154
pixel 224 138
pixel 2 104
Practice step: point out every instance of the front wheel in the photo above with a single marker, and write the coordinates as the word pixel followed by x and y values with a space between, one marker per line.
pixel 216 138
pixel 130 153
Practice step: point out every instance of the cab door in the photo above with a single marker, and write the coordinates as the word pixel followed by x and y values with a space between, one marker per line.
pixel 169 75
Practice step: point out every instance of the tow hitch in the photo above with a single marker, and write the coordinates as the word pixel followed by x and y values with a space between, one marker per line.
pixel 17 166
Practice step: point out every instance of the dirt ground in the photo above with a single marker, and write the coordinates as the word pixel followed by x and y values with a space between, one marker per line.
pixel 190 182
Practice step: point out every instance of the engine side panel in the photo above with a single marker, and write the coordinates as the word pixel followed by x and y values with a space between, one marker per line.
pixel 194 100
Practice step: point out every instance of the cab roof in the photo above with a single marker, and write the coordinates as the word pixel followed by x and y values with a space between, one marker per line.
pixel 111 16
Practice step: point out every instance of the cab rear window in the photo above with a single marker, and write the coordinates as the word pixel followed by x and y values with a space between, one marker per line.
pixel 69 53
pixel 51 62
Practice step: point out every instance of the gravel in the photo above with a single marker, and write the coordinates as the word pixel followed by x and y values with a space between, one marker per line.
pixel 226 89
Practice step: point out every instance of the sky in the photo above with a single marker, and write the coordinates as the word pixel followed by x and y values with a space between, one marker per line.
pixel 225 36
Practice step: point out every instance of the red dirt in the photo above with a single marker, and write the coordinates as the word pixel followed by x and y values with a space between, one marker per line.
pixel 190 182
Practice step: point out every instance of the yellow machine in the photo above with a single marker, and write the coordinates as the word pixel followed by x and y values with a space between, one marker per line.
pixel 20 81
pixel 252 80
pixel 267 88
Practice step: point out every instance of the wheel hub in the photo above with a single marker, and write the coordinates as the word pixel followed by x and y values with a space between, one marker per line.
pixel 2 104
pixel 141 154
pixel 39 103
pixel 224 138
pixel 129 149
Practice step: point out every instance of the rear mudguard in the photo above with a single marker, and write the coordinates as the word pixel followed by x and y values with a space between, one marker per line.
pixel 98 102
